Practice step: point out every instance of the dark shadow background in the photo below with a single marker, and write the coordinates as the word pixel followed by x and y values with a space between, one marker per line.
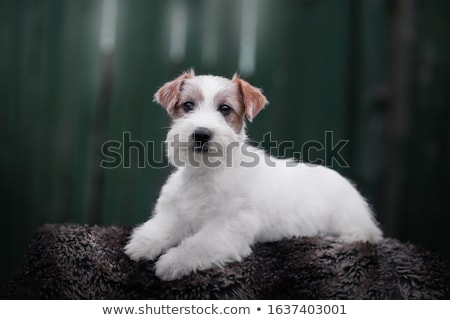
pixel 77 73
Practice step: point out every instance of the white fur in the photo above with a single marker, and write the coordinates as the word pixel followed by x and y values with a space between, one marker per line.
pixel 206 217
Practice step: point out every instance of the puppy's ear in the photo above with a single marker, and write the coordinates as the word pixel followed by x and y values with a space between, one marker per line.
pixel 254 100
pixel 167 96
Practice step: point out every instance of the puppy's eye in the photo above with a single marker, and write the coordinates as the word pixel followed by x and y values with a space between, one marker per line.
pixel 225 109
pixel 188 106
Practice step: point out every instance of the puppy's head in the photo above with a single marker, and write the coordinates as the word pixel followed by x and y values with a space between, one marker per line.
pixel 208 115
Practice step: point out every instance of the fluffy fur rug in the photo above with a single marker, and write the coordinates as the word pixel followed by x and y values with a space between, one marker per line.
pixel 81 262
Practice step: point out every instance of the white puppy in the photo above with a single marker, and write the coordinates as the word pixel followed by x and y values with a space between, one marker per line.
pixel 226 195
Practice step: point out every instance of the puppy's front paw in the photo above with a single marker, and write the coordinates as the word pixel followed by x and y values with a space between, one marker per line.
pixel 143 247
pixel 173 265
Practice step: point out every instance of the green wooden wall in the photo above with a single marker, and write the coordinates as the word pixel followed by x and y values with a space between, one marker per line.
pixel 73 76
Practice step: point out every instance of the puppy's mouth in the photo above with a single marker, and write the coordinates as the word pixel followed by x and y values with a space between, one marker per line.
pixel 199 147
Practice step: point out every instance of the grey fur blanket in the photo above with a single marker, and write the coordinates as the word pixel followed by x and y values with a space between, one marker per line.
pixel 81 262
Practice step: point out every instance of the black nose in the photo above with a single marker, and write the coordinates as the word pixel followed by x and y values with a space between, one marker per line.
pixel 201 135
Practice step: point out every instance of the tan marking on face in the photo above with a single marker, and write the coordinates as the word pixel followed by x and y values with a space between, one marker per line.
pixel 231 96
pixel 168 95
pixel 189 92
pixel 243 98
